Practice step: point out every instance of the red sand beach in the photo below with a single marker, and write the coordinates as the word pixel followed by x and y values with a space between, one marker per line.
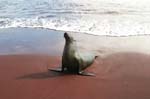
pixel 122 70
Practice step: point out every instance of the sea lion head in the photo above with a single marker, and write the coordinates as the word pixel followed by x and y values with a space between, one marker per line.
pixel 68 37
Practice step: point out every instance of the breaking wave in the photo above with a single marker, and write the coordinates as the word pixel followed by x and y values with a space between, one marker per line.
pixel 98 17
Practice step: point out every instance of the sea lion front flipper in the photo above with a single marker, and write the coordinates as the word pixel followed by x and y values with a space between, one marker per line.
pixel 56 70
pixel 83 73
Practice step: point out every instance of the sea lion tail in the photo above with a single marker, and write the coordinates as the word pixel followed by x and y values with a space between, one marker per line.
pixel 96 57
pixel 96 61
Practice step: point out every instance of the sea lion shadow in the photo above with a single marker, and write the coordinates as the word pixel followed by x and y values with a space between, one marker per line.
pixel 41 75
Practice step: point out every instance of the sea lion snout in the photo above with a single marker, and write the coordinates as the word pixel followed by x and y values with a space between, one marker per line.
pixel 65 35
pixel 68 36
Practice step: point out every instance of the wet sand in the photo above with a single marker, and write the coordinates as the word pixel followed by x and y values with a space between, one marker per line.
pixel 121 71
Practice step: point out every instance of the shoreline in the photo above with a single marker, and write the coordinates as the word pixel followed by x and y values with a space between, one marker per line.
pixel 122 68
pixel 86 33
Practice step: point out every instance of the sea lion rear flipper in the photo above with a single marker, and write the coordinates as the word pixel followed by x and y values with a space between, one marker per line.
pixel 83 73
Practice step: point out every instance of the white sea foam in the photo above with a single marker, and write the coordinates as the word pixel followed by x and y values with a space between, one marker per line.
pixel 99 17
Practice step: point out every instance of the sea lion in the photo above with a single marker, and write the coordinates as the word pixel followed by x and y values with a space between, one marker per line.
pixel 73 61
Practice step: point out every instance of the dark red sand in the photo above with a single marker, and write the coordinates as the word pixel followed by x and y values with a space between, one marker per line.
pixel 118 76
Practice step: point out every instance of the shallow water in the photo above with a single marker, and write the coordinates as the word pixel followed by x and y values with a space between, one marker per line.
pixel 100 17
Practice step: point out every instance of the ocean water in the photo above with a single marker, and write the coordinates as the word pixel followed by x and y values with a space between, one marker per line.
pixel 98 17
